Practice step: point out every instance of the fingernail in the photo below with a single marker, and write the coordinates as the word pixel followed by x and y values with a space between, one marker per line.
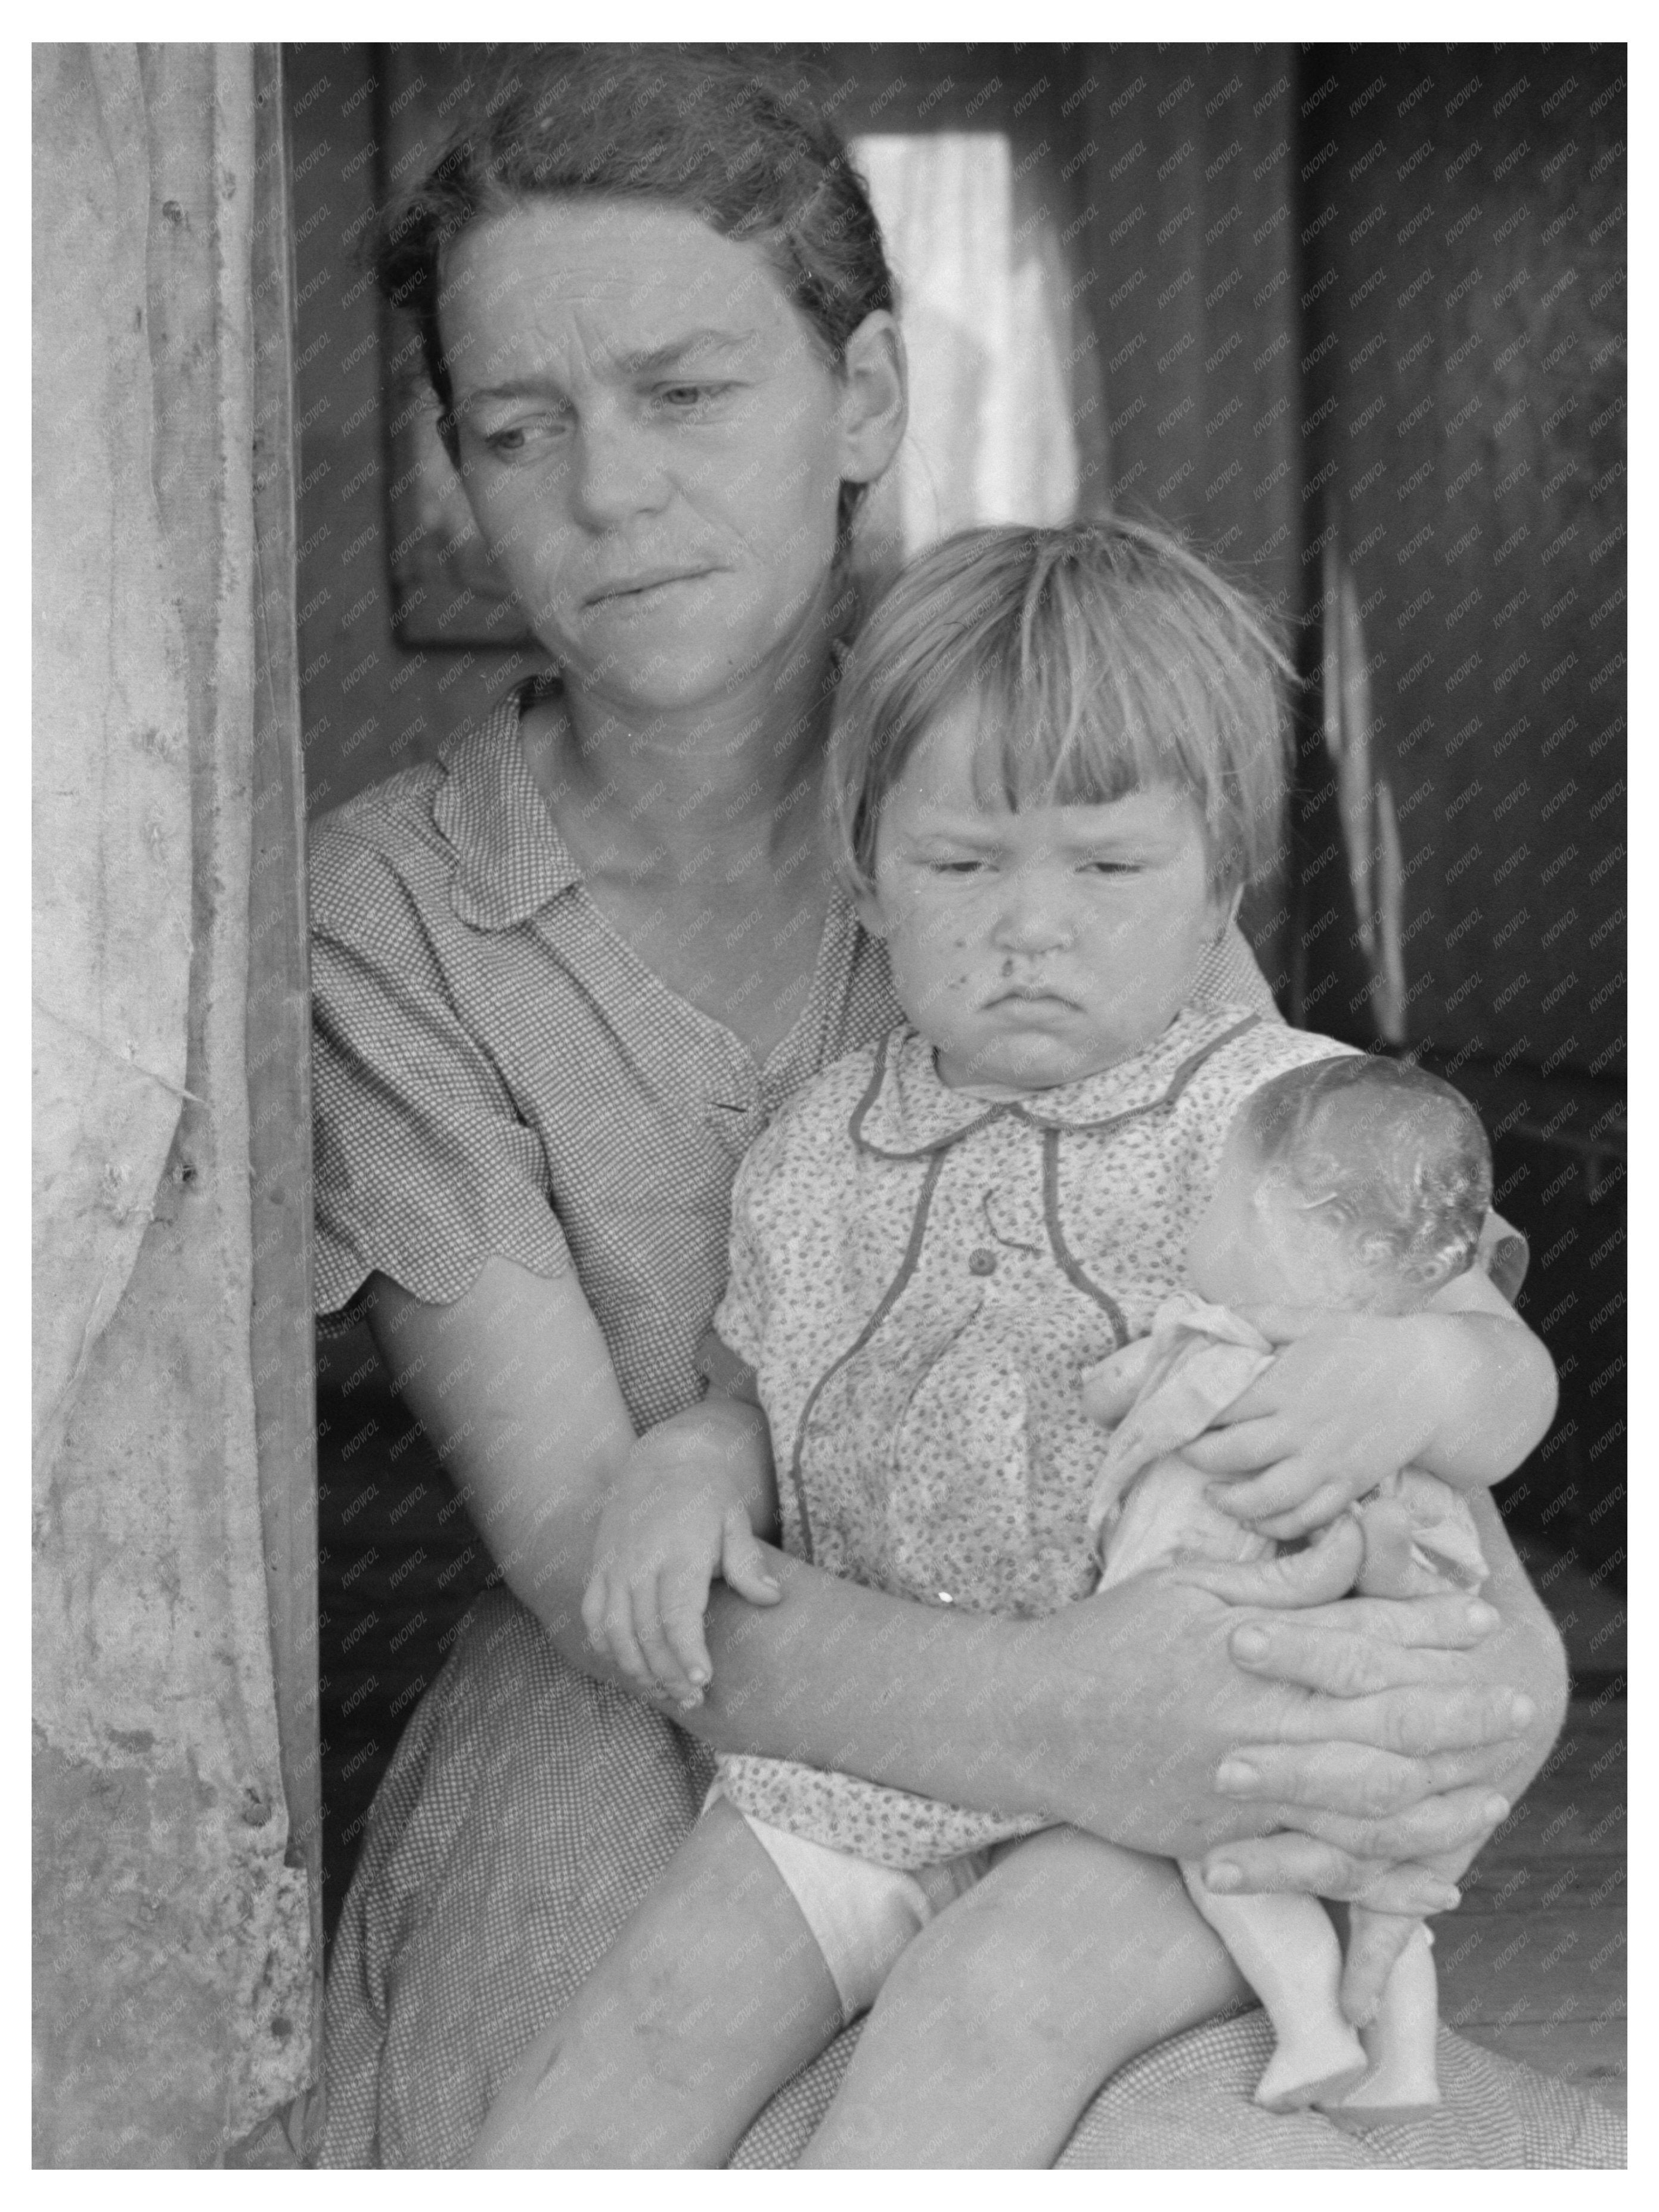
pixel 1250 1643
pixel 1235 1775
pixel 1496 1808
pixel 699 1675
pixel 1522 1709
pixel 1483 1617
pixel 1447 1900
pixel 1227 1876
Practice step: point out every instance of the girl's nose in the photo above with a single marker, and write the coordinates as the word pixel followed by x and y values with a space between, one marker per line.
pixel 1036 916
pixel 616 475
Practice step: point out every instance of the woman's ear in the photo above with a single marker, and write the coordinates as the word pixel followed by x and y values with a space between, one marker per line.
pixel 875 397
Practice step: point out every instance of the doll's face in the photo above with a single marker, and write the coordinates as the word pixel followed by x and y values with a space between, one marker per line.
pixel 1260 1242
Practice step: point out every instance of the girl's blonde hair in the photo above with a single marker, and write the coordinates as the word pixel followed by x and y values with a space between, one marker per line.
pixel 1101 657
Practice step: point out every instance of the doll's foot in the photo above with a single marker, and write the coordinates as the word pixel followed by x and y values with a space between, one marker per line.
pixel 1360 2109
pixel 1312 2074
pixel 1388 2093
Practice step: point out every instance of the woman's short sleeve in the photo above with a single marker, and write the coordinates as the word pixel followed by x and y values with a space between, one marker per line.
pixel 423 1168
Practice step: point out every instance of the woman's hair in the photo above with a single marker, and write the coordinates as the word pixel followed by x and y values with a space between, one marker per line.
pixel 1395 1158
pixel 740 141
pixel 1100 659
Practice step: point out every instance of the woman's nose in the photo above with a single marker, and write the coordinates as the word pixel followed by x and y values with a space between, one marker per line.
pixel 616 474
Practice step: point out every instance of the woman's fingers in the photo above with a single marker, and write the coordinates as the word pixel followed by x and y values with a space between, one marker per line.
pixel 743 1562
pixel 1349 1793
pixel 1293 1862
pixel 1346 1653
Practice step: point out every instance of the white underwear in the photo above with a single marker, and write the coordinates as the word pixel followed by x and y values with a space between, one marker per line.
pixel 861 1915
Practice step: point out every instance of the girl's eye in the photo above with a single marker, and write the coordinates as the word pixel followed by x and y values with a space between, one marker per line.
pixel 960 867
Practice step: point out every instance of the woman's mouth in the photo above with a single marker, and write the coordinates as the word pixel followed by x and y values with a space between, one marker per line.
pixel 640 590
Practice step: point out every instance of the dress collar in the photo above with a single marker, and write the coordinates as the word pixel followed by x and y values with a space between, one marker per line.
pixel 510 860
pixel 906 1113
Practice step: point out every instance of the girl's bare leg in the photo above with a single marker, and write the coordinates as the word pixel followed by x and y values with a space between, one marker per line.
pixel 713 1996
pixel 1008 2012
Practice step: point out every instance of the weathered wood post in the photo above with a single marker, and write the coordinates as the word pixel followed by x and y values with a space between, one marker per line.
pixel 176 1843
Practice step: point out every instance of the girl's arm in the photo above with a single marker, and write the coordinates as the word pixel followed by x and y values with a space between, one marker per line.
pixel 1463 1390
pixel 1386 1723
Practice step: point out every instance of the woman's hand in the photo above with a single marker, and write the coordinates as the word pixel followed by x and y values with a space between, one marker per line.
pixel 1432 1801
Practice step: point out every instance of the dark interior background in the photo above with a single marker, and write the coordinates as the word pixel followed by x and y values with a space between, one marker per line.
pixel 1377 293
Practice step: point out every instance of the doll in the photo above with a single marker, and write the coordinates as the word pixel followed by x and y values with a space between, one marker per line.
pixel 1357 1185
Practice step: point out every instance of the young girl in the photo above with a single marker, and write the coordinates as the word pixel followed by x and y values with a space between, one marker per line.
pixel 1059 756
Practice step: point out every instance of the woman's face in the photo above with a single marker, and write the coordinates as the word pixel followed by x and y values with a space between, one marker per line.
pixel 653 441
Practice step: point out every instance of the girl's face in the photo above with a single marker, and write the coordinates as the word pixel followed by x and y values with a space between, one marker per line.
pixel 1032 948
pixel 653 441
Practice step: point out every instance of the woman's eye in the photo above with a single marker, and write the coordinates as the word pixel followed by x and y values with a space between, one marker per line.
pixel 687 398
pixel 518 437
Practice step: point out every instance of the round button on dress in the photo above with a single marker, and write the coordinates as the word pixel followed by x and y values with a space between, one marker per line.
pixel 981 1261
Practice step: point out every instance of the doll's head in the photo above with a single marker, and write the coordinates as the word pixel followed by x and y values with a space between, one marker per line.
pixel 1057 756
pixel 1358 1183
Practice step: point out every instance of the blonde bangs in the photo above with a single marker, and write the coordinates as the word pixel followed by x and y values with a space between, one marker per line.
pixel 1101 659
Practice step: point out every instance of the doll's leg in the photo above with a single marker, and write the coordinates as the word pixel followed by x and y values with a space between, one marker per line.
pixel 1402 2084
pixel 713 1996
pixel 1009 2011
pixel 1287 1950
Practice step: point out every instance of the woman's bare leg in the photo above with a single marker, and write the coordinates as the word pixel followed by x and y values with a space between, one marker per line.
pixel 1008 2012
pixel 713 1996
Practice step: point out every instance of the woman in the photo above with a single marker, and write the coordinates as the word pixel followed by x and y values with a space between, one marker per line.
pixel 562 976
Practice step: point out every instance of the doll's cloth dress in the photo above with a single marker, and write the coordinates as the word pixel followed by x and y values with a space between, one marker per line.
pixel 1148 1507
pixel 496 1071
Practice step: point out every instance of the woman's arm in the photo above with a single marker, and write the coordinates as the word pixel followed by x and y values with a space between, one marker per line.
pixel 1075 1715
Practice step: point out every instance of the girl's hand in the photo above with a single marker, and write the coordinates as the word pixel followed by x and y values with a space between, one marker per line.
pixel 1350 1400
pixel 663 1538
